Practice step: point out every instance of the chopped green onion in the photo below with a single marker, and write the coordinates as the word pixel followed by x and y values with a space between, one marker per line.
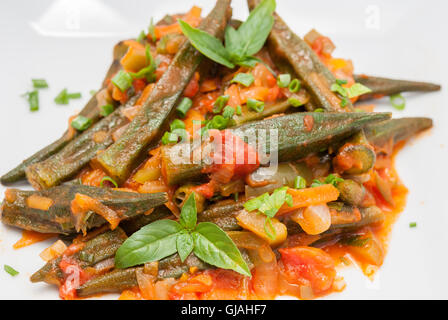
pixel 341 81
pixel 141 36
pixel 294 86
pixel 319 110
pixel 344 102
pixel 284 80
pixel 238 111
pixel 220 103
pixel 62 98
pixel 39 83
pixel 398 101
pixel 10 270
pixel 257 106
pixel 246 79
pixel 106 110
pixel 412 224
pixel 299 183
pixel 339 89
pixel 295 102
pixel 81 123
pixel 184 106
pixel 151 31
pixel 228 112
pixel 76 95
pixel 219 122
pixel 357 90
pixel 169 138
pixel 107 178
pixel 33 100
pixel 122 80
pixel 177 124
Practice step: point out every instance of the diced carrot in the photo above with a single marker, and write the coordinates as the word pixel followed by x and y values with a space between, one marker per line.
pixel 31 237
pixel 145 94
pixel 193 17
pixel 209 85
pixel 117 95
pixel 133 294
pixel 191 116
pixel 310 196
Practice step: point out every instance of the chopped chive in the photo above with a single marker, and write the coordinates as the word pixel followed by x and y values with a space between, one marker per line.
pixel 294 86
pixel 177 124
pixel 61 98
pixel 122 80
pixel 184 106
pixel 219 122
pixel 246 79
pixel 228 112
pixel 255 105
pixel 295 102
pixel 81 123
pixel 76 95
pixel 319 110
pixel 220 103
pixel 284 80
pixel 412 224
pixel 344 102
pixel 299 183
pixel 398 101
pixel 106 110
pixel 141 36
pixel 33 100
pixel 238 110
pixel 107 178
pixel 10 270
pixel 39 83
pixel 151 31
pixel 169 138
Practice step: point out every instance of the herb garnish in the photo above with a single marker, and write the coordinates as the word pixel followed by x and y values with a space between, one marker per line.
pixel 241 44
pixel 163 238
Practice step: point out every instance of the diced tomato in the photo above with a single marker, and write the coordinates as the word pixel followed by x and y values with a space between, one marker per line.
pixel 263 77
pixel 306 266
pixel 234 95
pixel 139 85
pixel 257 93
pixel 192 87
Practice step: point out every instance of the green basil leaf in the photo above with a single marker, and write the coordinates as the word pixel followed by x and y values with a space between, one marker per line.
pixel 184 244
pixel 208 45
pixel 248 62
pixel 214 246
pixel 188 215
pixel 255 30
pixel 234 44
pixel 151 243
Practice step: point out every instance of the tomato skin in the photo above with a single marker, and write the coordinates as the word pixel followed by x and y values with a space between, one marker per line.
pixel 193 86
pixel 139 85
pixel 307 266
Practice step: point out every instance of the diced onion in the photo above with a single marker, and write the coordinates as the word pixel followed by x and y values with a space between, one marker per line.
pixel 313 219
pixel 53 251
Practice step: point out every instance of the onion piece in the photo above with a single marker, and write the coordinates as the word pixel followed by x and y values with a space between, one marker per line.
pixel 313 219
pixel 53 251
pixel 256 223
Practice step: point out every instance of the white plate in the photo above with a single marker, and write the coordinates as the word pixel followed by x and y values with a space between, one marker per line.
pixel 69 43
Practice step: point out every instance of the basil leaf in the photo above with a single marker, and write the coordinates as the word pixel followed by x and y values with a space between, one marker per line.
pixel 233 43
pixel 255 30
pixel 248 62
pixel 208 45
pixel 151 243
pixel 214 246
pixel 184 244
pixel 188 215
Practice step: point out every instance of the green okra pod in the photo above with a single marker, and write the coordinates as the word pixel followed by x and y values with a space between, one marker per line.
pixel 53 212
pixel 387 87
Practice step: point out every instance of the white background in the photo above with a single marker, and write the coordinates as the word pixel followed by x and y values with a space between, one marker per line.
pixel 69 43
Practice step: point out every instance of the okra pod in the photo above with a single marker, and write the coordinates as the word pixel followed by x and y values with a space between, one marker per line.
pixel 387 87
pixel 120 158
pixel 51 211
pixel 298 135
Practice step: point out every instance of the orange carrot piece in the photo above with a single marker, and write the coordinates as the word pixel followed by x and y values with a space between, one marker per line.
pixel 31 237
pixel 310 196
